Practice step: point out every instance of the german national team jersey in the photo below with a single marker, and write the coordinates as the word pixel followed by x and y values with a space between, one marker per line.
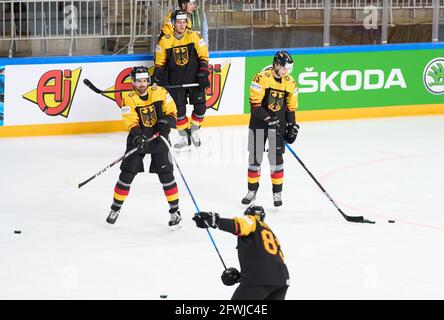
pixel 260 255
pixel 146 113
pixel 274 96
pixel 182 57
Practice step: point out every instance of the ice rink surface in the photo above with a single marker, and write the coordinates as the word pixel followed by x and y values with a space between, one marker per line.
pixel 390 168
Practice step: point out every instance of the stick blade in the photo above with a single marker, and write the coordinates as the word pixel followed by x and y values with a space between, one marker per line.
pixel 91 86
pixel 359 219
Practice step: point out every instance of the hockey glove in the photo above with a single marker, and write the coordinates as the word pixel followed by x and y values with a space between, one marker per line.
pixel 291 133
pixel 206 219
pixel 164 127
pixel 230 276
pixel 202 77
pixel 273 123
pixel 160 76
pixel 138 139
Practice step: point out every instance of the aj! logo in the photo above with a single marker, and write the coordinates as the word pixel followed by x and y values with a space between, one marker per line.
pixel 218 77
pixel 55 91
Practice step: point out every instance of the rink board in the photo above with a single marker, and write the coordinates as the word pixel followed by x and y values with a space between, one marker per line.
pixel 45 96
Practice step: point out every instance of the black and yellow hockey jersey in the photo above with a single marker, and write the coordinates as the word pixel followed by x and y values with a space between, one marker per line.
pixel 145 113
pixel 270 96
pixel 181 57
pixel 260 255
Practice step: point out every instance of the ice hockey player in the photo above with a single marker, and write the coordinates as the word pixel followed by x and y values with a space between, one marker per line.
pixel 197 20
pixel 181 59
pixel 147 110
pixel 273 102
pixel 264 275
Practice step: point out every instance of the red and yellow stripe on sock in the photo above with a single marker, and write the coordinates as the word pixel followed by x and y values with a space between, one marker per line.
pixel 196 120
pixel 171 193
pixel 277 178
pixel 254 176
pixel 120 194
pixel 182 123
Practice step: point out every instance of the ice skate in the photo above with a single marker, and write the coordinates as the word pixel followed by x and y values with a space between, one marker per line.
pixel 113 215
pixel 277 199
pixel 184 143
pixel 174 221
pixel 195 138
pixel 250 197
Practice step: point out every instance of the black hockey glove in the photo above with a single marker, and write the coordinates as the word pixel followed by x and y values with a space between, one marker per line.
pixel 160 76
pixel 138 139
pixel 164 127
pixel 273 123
pixel 291 132
pixel 202 77
pixel 206 219
pixel 230 276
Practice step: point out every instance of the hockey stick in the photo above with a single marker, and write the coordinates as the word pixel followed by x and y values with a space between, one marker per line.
pixel 359 219
pixel 126 155
pixel 97 90
pixel 192 197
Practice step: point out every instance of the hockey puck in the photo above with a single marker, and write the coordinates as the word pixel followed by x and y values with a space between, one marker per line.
pixel 17 231
pixel 391 221
pixel 163 296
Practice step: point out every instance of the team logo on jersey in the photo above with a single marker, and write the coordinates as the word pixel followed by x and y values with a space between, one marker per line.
pixel 433 76
pixel 218 77
pixel 148 116
pixel 55 91
pixel 275 100
pixel 123 82
pixel 181 55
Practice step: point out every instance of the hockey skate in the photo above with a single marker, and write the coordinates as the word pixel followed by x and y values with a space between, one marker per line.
pixel 184 143
pixel 195 138
pixel 250 197
pixel 113 215
pixel 277 199
pixel 174 221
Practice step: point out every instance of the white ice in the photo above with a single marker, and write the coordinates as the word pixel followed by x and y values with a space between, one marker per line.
pixel 383 169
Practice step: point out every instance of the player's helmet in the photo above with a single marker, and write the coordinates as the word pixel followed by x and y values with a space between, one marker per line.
pixel 284 59
pixel 178 15
pixel 256 211
pixel 140 73
pixel 180 2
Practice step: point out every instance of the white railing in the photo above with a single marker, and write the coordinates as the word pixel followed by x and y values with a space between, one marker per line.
pixel 76 19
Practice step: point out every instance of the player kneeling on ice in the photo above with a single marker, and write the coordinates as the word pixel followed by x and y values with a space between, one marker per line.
pixel 264 275
pixel 147 110
pixel 273 102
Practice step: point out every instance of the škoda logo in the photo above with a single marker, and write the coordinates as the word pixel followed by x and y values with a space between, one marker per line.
pixel 434 76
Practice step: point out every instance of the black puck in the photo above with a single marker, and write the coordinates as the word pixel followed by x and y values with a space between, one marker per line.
pixel 17 231
pixel 391 221
pixel 163 296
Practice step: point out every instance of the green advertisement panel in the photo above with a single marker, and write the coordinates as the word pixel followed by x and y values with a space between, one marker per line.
pixel 362 79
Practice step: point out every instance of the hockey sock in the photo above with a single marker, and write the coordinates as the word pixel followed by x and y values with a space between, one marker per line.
pixel 170 189
pixel 254 175
pixel 121 189
pixel 277 173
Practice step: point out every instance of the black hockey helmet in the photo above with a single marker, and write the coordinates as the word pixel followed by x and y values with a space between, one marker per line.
pixel 180 2
pixel 140 72
pixel 178 15
pixel 256 211
pixel 284 59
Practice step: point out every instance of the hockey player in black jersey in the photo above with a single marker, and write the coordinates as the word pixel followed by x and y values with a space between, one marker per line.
pixel 264 275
